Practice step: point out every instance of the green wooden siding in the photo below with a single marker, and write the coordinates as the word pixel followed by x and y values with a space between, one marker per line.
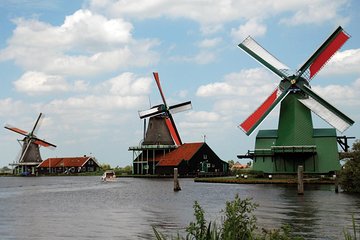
pixel 296 143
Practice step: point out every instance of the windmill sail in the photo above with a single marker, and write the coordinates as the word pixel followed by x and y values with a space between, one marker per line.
pixel 250 124
pixel 326 111
pixel 296 83
pixel 30 148
pixel 17 130
pixel 180 107
pixel 251 47
pixel 323 54
pixel 166 111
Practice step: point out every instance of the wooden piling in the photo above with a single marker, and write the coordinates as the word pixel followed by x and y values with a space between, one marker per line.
pixel 300 174
pixel 336 182
pixel 176 181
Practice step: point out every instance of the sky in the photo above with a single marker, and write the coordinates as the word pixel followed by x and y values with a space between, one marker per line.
pixel 87 66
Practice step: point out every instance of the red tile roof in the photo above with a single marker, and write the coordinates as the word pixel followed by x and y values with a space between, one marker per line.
pixel 65 162
pixel 184 152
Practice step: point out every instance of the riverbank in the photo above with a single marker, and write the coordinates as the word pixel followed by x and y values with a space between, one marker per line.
pixel 235 180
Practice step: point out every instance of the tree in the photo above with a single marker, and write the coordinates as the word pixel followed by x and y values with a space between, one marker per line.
pixel 231 163
pixel 350 173
pixel 105 166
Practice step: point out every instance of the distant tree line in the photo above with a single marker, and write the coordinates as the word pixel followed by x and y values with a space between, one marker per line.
pixel 127 170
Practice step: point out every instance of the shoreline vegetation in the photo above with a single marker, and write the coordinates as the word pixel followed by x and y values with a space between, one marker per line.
pixel 238 222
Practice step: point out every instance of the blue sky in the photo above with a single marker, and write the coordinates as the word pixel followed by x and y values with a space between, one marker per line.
pixel 87 65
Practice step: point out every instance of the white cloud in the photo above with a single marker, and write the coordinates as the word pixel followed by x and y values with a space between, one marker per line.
pixel 209 43
pixel 215 13
pixel 39 83
pixel 88 29
pixel 126 91
pixel 308 12
pixel 10 107
pixel 203 116
pixel 127 84
pixel 251 27
pixel 33 83
pixel 213 89
pixel 343 62
pixel 123 94
pixel 196 121
pixel 246 82
pixel 85 44
pixel 340 95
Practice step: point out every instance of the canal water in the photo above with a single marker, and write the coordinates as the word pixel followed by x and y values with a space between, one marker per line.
pixel 86 208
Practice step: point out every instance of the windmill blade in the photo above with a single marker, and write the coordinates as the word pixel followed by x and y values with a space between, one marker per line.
pixel 17 130
pixel 37 124
pixel 325 110
pixel 44 143
pixel 23 153
pixel 181 107
pixel 157 79
pixel 251 47
pixel 173 130
pixel 250 124
pixel 156 110
pixel 323 54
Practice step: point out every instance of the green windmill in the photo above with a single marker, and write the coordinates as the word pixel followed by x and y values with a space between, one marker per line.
pixel 296 142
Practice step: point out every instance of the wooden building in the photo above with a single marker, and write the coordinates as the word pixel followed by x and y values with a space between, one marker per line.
pixel 69 165
pixel 191 159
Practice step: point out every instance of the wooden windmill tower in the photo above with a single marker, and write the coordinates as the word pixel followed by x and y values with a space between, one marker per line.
pixel 296 142
pixel 161 135
pixel 29 157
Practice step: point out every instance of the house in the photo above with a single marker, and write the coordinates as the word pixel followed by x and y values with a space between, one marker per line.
pixel 69 165
pixel 191 159
pixel 238 166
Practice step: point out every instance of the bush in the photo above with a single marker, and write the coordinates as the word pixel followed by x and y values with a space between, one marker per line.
pixel 238 223
pixel 350 176
pixel 349 179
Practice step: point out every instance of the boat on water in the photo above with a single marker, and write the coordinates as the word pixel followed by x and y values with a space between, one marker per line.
pixel 109 176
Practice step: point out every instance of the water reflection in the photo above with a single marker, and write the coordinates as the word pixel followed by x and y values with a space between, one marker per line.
pixel 85 208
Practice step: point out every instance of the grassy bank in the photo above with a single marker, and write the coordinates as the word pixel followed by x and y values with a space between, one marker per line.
pixel 252 180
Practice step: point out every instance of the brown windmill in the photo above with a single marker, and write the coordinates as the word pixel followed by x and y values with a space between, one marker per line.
pixel 29 157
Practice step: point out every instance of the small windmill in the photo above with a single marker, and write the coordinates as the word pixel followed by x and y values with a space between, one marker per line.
pixel 30 154
pixel 295 141
pixel 161 128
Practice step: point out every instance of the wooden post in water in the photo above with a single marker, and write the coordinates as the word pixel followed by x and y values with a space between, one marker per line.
pixel 300 174
pixel 176 181
pixel 336 182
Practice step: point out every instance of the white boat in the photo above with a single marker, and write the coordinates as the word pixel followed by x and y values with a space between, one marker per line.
pixel 108 176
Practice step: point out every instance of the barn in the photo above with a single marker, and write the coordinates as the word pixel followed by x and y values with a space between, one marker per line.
pixel 191 159
pixel 69 165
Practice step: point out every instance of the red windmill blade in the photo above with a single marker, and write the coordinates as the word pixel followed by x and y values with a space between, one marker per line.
pixel 17 130
pixel 251 47
pixel 43 143
pixel 323 54
pixel 297 82
pixel 167 111
pixel 250 124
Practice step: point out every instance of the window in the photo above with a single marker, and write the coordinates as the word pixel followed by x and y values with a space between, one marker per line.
pixel 204 156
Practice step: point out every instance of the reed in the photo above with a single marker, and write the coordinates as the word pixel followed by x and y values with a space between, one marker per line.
pixel 238 222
